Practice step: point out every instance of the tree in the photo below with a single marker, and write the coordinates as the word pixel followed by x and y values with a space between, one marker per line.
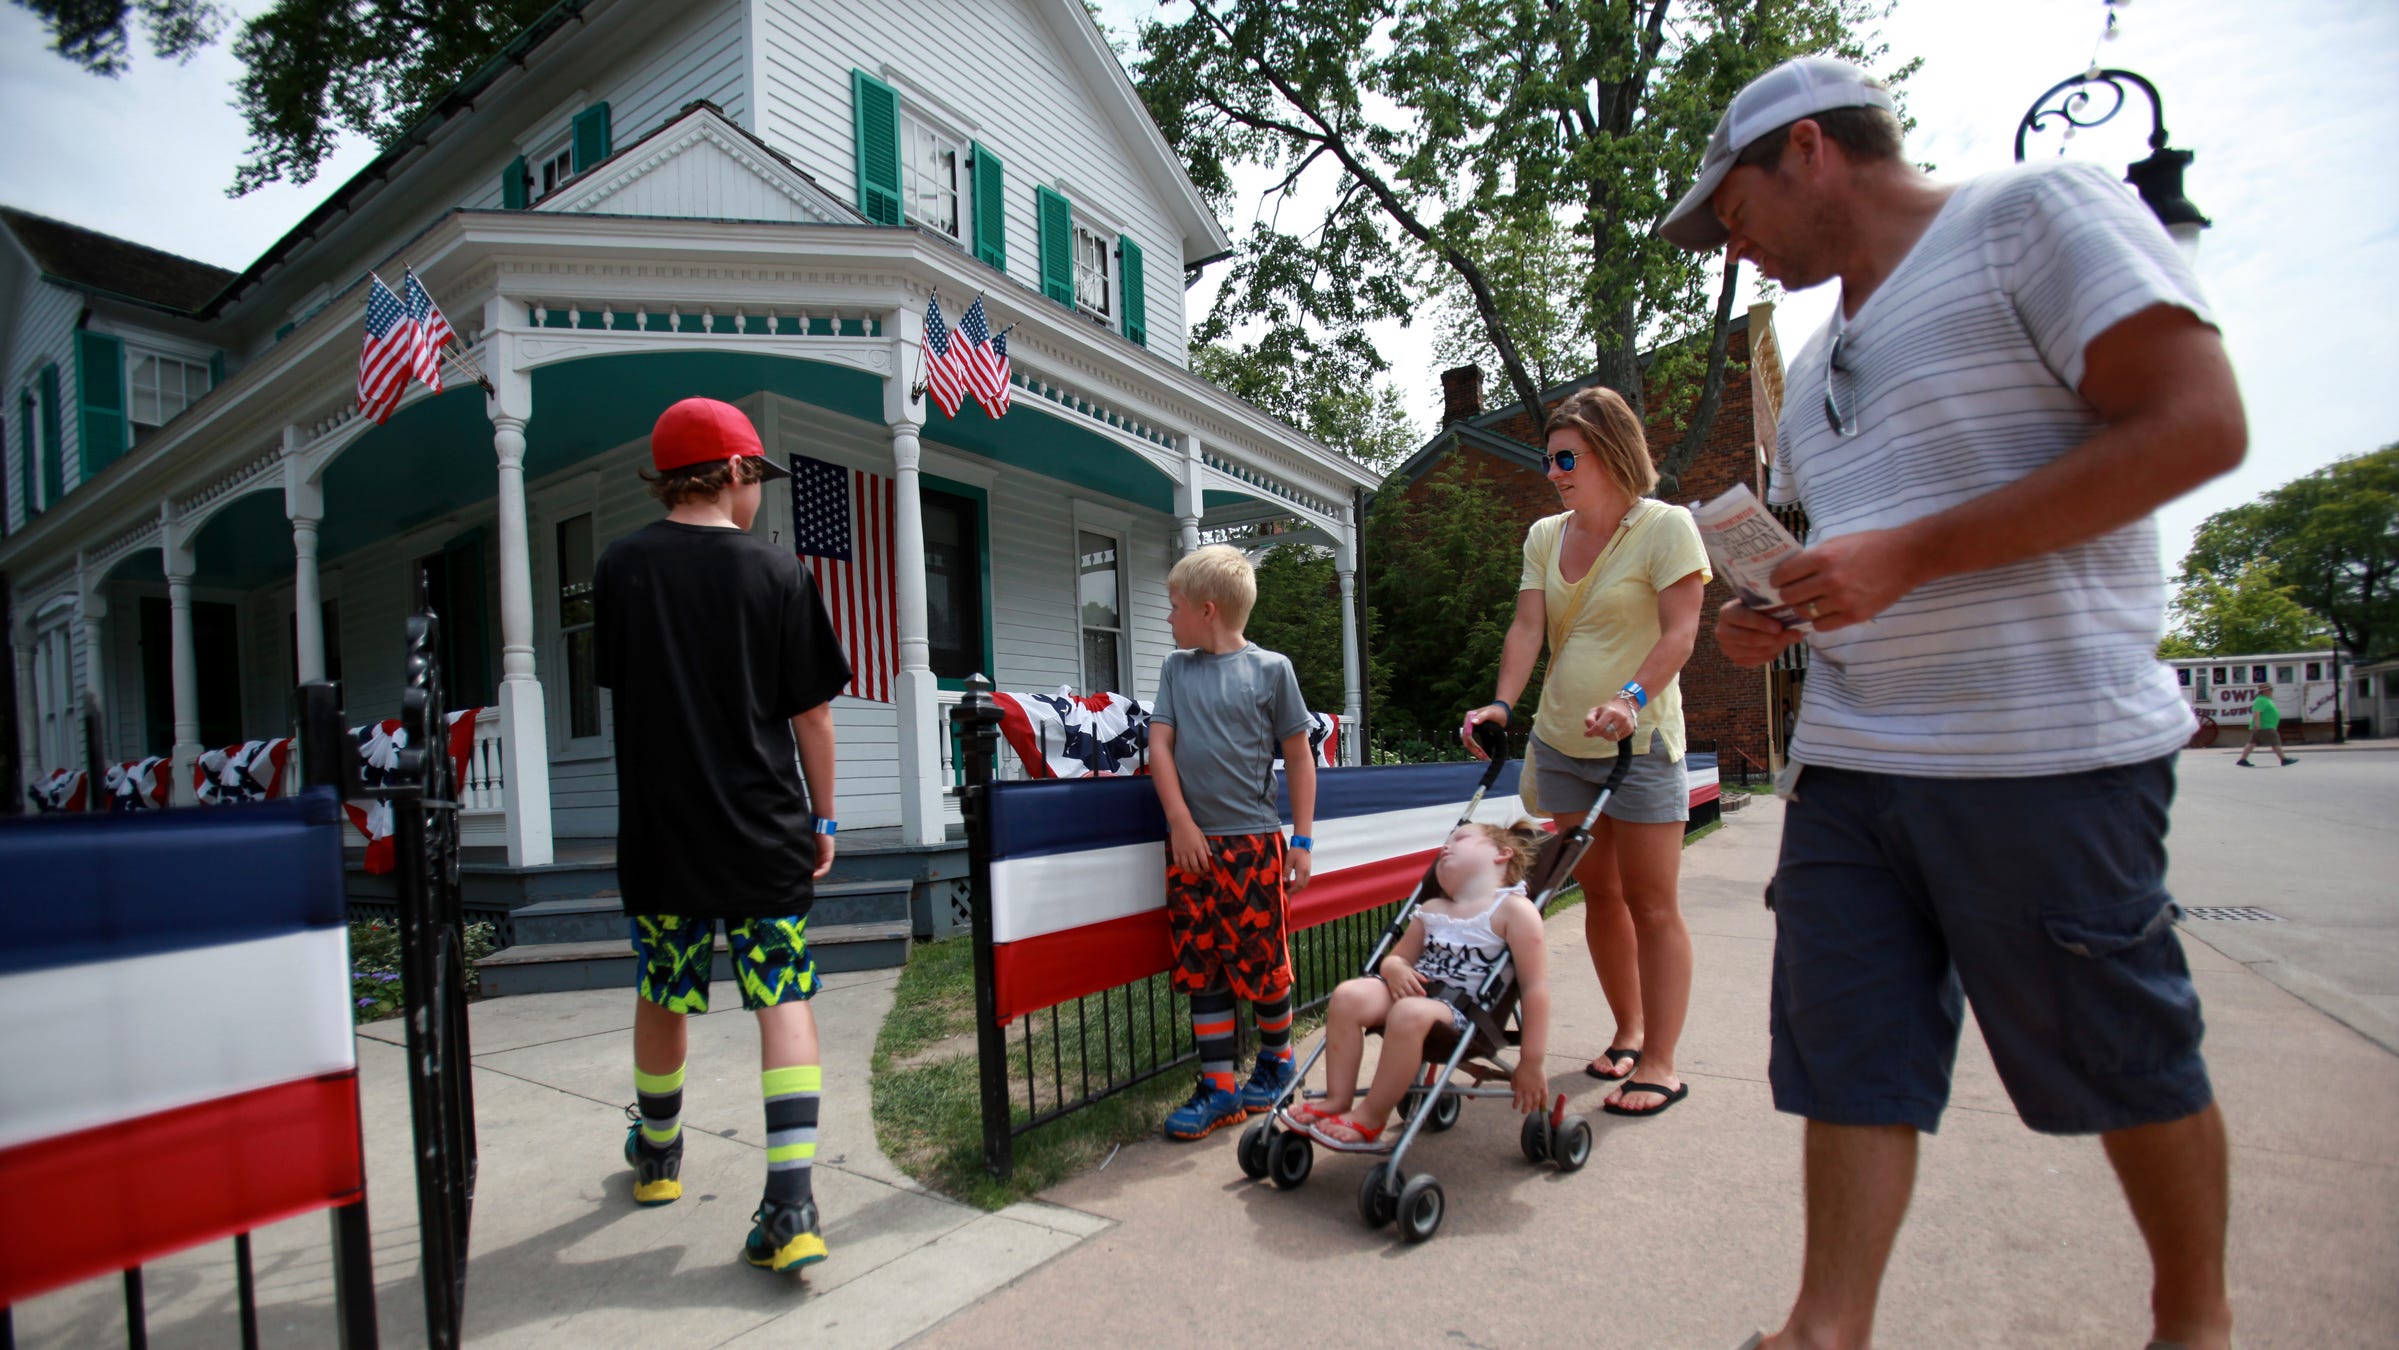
pixel 1367 422
pixel 1443 560
pixel 311 69
pixel 1471 141
pixel 2251 612
pixel 1299 614
pixel 2330 539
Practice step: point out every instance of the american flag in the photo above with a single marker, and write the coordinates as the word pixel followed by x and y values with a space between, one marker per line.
pixel 986 365
pixel 945 375
pixel 842 529
pixel 433 331
pixel 390 353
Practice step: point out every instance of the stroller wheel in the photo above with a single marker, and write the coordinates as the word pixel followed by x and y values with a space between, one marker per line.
pixel 1572 1147
pixel 1290 1157
pixel 1421 1206
pixel 1534 1137
pixel 1253 1150
pixel 1445 1112
pixel 1376 1202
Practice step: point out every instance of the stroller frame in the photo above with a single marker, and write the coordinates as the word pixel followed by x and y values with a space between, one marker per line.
pixel 1272 1148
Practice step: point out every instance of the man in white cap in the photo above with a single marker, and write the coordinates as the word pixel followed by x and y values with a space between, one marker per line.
pixel 2020 370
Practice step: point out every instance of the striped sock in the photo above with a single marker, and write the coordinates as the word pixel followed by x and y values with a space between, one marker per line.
pixel 1212 1027
pixel 661 1098
pixel 791 1097
pixel 1274 1027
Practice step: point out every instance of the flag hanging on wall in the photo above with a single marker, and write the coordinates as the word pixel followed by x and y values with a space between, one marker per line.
pixel 841 521
pixel 986 360
pixel 433 332
pixel 389 357
pixel 945 368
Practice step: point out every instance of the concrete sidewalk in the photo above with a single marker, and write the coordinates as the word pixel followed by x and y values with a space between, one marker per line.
pixel 560 1255
pixel 1684 1232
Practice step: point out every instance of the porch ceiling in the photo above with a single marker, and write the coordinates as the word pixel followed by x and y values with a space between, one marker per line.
pixel 1050 444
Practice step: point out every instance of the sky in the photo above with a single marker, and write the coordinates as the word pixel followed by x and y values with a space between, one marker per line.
pixel 2291 110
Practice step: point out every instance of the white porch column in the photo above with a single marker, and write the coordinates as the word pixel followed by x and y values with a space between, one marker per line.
pixel 184 664
pixel 917 706
pixel 1352 659
pixel 304 506
pixel 91 607
pixel 524 729
pixel 1190 504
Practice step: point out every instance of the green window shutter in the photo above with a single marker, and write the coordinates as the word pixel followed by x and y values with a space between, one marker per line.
pixel 1057 246
pixel 1136 300
pixel 876 113
pixel 216 369
pixel 516 183
pixel 591 136
pixel 100 399
pixel 54 443
pixel 25 453
pixel 991 209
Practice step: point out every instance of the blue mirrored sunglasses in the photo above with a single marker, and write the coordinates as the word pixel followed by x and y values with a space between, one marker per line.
pixel 1564 459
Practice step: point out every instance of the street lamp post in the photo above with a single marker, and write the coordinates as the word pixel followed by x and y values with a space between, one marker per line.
pixel 2158 178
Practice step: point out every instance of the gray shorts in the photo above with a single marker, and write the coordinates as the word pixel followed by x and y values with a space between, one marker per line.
pixel 1655 790
pixel 2272 740
pixel 2039 901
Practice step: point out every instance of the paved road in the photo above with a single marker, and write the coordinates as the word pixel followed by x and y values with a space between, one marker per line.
pixel 2317 844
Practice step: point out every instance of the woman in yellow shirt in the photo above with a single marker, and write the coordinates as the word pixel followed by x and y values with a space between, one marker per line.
pixel 1612 585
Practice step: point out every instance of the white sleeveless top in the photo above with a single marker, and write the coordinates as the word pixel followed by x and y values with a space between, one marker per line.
pixel 1460 952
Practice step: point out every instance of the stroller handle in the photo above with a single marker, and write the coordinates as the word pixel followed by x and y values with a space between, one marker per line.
pixel 1494 745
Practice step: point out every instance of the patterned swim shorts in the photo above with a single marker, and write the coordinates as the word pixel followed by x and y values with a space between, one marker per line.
pixel 1226 925
pixel 770 957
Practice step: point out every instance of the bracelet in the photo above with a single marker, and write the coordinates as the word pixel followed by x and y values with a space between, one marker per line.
pixel 1307 842
pixel 1507 712
pixel 1640 695
pixel 827 825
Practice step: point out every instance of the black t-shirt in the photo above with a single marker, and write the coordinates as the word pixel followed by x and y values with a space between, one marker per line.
pixel 712 641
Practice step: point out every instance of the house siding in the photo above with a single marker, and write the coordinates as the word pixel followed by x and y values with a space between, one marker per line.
pixel 42 333
pixel 998 64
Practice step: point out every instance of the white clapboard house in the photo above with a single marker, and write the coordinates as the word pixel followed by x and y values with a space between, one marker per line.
pixel 633 203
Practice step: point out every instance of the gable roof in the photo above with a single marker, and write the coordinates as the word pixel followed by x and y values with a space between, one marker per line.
pixel 91 261
pixel 650 175
pixel 1204 239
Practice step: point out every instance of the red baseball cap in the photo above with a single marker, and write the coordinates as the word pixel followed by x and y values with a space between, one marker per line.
pixel 704 431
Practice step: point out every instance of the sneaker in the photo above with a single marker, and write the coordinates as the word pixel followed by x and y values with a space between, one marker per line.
pixel 657 1172
pixel 1268 1079
pixel 785 1237
pixel 1211 1108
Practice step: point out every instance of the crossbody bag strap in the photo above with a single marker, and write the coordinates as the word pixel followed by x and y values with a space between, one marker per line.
pixel 1561 626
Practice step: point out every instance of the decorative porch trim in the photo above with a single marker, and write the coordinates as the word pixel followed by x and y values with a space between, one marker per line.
pixel 194 510
pixel 1246 477
pixel 131 539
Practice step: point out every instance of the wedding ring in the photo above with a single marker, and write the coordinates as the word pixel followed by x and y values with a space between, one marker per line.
pixel 1810 607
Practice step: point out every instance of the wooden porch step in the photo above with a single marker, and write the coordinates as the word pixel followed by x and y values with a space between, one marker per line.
pixel 551 967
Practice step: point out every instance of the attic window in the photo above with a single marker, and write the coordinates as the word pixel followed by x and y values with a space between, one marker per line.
pixel 553 169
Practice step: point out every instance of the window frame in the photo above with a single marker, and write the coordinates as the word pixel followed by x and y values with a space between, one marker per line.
pixel 1091 518
pixel 550 506
pixel 1082 227
pixel 138 352
pixel 52 696
pixel 979 498
pixel 917 123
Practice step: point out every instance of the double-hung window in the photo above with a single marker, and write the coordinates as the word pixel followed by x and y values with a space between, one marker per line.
pixel 934 168
pixel 1099 609
pixel 575 627
pixel 1093 288
pixel 553 170
pixel 160 388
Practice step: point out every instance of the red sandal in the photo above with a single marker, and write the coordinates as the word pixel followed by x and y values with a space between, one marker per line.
pixel 1368 1140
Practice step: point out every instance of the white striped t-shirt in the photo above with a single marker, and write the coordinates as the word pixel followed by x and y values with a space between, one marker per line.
pixel 1961 372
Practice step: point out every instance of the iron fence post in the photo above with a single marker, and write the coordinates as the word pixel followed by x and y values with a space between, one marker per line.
pixel 977 719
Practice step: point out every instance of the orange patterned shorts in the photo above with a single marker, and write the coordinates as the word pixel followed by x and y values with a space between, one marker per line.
pixel 1226 925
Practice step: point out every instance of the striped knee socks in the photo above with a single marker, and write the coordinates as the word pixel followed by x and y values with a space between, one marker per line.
pixel 1212 1027
pixel 1274 1027
pixel 661 1101
pixel 791 1101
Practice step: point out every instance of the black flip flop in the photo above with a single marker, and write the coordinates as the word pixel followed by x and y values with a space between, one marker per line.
pixel 1613 1053
pixel 1615 1108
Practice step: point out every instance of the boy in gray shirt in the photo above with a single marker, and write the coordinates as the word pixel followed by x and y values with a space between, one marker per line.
pixel 1224 706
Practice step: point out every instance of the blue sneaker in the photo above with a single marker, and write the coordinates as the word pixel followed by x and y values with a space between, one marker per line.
pixel 1210 1109
pixel 1267 1080
pixel 785 1237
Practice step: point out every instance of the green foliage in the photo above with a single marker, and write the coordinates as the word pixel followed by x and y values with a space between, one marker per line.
pixel 94 34
pixel 375 984
pixel 2328 540
pixel 1363 419
pixel 1442 568
pixel 2251 612
pixel 1518 157
pixel 1299 614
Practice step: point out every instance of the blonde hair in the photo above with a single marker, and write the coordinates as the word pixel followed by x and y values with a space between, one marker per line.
pixel 1518 845
pixel 1218 573
pixel 1605 422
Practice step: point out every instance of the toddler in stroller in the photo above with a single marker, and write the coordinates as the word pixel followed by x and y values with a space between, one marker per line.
pixel 1430 984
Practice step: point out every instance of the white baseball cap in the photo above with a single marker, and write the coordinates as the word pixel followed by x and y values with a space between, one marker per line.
pixel 1795 89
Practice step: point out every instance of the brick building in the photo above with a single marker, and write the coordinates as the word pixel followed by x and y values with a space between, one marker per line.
pixel 1745 712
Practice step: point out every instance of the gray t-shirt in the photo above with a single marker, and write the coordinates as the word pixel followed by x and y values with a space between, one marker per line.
pixel 1231 713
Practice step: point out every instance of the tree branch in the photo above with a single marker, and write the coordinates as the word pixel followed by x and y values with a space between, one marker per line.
pixel 1711 390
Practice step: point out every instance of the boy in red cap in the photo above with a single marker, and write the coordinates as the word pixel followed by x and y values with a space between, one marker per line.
pixel 722 663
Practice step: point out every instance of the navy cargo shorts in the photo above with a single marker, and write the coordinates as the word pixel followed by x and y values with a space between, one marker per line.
pixel 2039 901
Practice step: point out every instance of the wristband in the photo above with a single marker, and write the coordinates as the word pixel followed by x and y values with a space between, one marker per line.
pixel 1507 712
pixel 827 825
pixel 1640 695
pixel 1304 841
